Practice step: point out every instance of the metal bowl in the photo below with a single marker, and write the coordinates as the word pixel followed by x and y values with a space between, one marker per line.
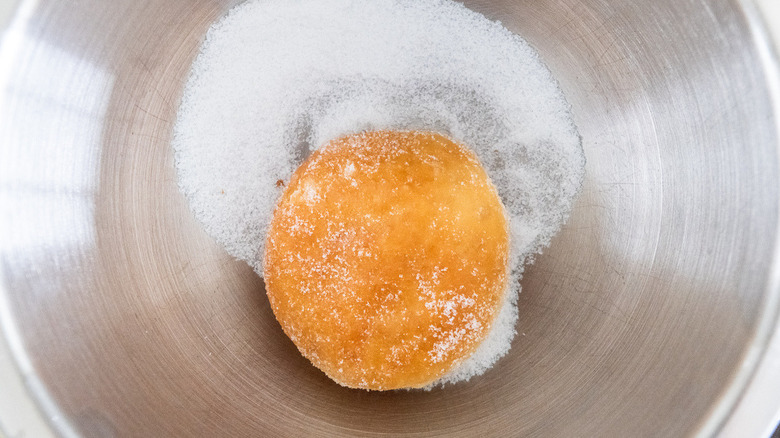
pixel 651 314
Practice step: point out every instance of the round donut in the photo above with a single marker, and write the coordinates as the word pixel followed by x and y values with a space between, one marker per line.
pixel 386 258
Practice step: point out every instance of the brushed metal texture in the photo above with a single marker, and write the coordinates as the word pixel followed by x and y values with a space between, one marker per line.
pixel 645 317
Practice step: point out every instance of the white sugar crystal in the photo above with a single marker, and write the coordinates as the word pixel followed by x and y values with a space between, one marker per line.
pixel 276 79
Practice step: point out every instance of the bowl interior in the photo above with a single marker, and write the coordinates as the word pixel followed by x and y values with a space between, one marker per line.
pixel 638 320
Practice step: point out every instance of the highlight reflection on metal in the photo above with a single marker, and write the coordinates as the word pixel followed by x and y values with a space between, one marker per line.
pixel 645 316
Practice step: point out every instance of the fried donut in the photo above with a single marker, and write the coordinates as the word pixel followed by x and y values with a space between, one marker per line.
pixel 386 258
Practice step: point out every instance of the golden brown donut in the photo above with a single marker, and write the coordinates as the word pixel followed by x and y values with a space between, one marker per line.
pixel 386 258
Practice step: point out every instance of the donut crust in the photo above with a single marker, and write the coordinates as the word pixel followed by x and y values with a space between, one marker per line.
pixel 386 258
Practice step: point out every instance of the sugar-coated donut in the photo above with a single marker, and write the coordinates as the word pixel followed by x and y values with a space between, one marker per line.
pixel 386 258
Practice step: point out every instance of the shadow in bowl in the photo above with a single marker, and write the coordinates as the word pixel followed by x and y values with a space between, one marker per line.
pixel 635 322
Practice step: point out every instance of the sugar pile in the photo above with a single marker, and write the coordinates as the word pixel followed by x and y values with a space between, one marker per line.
pixel 276 79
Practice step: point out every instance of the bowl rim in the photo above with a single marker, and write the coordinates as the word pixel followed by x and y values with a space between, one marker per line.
pixel 749 406
pixel 755 389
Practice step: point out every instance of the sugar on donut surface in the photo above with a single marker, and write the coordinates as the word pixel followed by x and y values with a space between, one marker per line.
pixel 386 258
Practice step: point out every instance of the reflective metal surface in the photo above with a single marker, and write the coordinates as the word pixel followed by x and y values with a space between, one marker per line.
pixel 647 316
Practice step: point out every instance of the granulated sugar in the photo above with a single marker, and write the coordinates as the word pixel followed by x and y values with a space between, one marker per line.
pixel 276 79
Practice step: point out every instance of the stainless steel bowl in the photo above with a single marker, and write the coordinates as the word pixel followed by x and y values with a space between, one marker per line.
pixel 651 314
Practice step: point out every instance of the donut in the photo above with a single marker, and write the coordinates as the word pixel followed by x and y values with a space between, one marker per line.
pixel 386 258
